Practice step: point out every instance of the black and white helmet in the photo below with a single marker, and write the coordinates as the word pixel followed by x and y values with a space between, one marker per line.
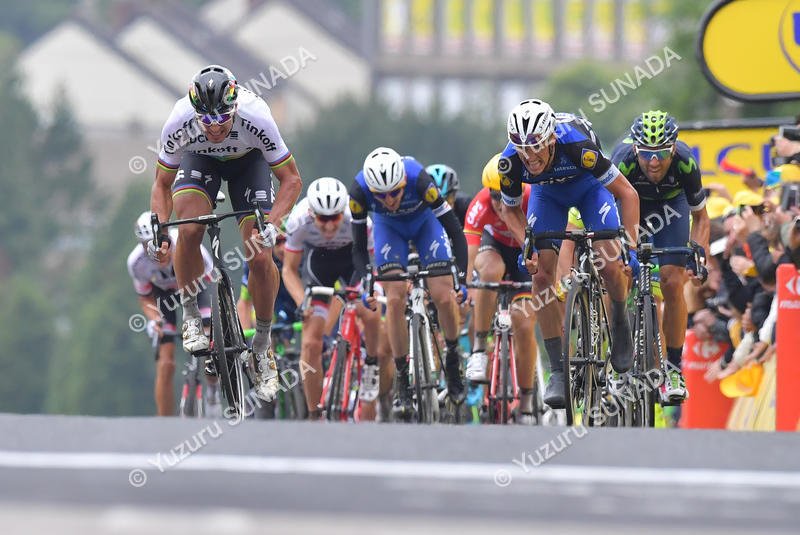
pixel 327 196
pixel 383 170
pixel 531 123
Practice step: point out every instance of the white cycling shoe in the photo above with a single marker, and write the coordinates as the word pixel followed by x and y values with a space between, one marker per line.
pixel 194 339
pixel 673 391
pixel 266 375
pixel 370 383
pixel 476 366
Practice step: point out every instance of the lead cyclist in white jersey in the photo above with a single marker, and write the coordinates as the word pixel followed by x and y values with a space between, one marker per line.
pixel 217 132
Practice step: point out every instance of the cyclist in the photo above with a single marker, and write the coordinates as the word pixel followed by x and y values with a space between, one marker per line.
pixel 561 157
pixel 222 131
pixel 320 227
pixel 492 252
pixel 157 288
pixel 665 174
pixel 446 180
pixel 407 206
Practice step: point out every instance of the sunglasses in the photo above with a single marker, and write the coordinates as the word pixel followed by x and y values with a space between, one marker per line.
pixel 390 194
pixel 534 141
pixel 495 195
pixel 215 118
pixel 327 218
pixel 658 154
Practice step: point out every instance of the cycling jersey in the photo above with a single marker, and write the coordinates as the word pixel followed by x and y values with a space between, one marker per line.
pixel 253 128
pixel 578 157
pixel 683 175
pixel 302 231
pixel 148 274
pixel 481 218
pixel 422 217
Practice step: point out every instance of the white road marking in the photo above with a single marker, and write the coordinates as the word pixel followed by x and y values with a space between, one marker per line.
pixel 405 469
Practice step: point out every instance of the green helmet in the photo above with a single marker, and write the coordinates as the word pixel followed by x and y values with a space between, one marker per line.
pixel 654 128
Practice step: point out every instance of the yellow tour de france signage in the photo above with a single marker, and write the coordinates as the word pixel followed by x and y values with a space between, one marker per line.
pixel 745 146
pixel 750 49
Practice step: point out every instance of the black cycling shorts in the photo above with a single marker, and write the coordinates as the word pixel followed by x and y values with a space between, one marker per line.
pixel 248 179
pixel 509 256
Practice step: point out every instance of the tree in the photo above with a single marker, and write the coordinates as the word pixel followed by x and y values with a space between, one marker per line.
pixel 106 368
pixel 27 339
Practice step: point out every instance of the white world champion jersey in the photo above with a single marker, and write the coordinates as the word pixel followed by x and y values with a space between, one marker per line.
pixel 147 274
pixel 301 231
pixel 253 128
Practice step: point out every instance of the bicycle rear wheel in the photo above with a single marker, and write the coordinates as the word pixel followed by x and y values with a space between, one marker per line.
pixel 577 361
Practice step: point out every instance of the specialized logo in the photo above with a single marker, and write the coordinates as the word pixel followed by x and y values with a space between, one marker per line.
pixel 385 250
pixel 434 248
pixel 431 194
pixel 604 211
pixel 588 158
pixel 355 207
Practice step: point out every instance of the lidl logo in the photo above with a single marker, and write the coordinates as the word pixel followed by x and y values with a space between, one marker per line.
pixel 432 193
pixel 355 207
pixel 588 158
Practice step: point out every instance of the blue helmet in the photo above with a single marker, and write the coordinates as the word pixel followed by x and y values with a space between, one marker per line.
pixel 445 177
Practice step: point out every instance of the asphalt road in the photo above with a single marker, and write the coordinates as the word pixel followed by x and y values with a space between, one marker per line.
pixel 146 475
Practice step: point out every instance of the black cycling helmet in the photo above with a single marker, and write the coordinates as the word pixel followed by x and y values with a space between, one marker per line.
pixel 654 128
pixel 213 90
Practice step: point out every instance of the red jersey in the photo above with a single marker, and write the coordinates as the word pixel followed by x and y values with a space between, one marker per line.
pixel 482 217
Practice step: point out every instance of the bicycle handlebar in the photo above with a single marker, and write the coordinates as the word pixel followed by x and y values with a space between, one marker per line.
pixel 581 235
pixel 695 253
pixel 501 286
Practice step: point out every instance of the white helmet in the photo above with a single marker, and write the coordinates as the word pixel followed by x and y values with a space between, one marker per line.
pixel 327 196
pixel 531 123
pixel 142 229
pixel 383 170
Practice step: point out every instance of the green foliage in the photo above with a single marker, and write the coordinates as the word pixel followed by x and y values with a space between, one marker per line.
pixel 336 144
pixel 27 339
pixel 105 368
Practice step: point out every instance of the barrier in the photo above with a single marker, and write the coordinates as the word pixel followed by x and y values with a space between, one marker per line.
pixel 787 400
pixel 706 407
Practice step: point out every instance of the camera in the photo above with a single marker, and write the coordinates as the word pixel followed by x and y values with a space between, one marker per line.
pixel 792 133
pixel 790 196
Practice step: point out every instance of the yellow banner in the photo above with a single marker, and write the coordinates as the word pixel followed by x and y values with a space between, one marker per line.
pixel 750 49
pixel 747 148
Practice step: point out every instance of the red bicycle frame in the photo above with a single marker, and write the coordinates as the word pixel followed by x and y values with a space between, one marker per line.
pixel 349 336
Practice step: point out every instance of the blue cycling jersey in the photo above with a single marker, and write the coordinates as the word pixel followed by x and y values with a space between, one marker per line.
pixel 578 156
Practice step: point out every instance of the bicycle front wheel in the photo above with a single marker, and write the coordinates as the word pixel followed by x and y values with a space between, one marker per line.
pixel 577 344
pixel 644 405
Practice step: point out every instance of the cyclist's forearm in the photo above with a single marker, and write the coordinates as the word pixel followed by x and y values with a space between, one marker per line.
pixel 514 218
pixel 149 307
pixel 360 252
pixel 452 227
pixel 472 252
pixel 701 228
pixel 161 194
pixel 289 190
pixel 630 217
pixel 293 283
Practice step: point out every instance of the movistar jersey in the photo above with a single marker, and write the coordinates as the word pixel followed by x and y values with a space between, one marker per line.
pixel 578 157
pixel 682 175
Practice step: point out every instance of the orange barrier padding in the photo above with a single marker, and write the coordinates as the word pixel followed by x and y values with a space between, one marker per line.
pixel 787 401
pixel 706 407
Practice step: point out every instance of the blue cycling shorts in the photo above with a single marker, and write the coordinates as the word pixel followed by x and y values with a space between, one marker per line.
pixel 549 204
pixel 392 235
pixel 667 222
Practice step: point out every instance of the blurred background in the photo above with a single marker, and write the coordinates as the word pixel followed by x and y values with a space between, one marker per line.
pixel 85 87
